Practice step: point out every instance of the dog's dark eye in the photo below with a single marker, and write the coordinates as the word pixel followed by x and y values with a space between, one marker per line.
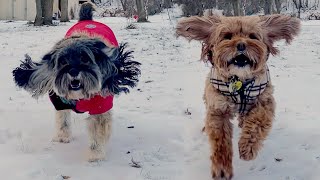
pixel 228 36
pixel 63 62
pixel 85 60
pixel 253 36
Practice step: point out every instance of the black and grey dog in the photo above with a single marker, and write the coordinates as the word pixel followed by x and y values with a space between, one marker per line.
pixel 82 73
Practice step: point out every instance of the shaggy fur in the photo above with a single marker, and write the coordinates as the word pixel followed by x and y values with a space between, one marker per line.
pixel 226 41
pixel 77 69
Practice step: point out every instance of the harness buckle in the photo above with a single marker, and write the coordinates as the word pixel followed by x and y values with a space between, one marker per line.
pixel 234 84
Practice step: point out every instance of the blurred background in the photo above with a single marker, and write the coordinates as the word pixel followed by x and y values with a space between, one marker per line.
pixel 48 12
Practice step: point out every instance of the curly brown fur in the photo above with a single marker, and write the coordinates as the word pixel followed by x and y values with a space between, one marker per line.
pixel 219 129
pixel 256 125
pixel 224 40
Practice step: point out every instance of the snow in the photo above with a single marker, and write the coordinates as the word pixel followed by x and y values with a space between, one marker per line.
pixel 166 141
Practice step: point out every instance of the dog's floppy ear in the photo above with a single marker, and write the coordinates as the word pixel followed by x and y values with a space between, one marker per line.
pixel 277 27
pixel 101 47
pixel 120 72
pixel 35 78
pixel 128 71
pixel 197 28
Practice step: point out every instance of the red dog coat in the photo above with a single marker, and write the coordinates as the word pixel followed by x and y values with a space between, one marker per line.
pixel 97 104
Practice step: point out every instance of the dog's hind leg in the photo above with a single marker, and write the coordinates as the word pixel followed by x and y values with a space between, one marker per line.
pixel 63 130
pixel 256 126
pixel 99 133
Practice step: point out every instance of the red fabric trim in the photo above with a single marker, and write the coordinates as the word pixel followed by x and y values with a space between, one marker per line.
pixel 94 28
pixel 95 105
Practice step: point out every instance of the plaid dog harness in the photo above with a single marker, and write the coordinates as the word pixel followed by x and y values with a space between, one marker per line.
pixel 243 94
pixel 96 104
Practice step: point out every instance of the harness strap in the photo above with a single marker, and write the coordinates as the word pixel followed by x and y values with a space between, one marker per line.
pixel 244 97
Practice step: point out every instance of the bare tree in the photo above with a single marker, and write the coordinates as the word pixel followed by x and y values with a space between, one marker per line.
pixel 128 6
pixel 142 14
pixel 298 5
pixel 299 9
pixel 124 4
pixel 44 12
pixel 278 5
pixel 64 11
pixel 167 3
pixel 236 7
pixel 47 11
pixel 39 17
pixel 227 7
pixel 267 7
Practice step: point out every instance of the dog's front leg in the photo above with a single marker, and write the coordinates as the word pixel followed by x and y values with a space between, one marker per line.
pixel 219 130
pixel 99 132
pixel 255 128
pixel 63 130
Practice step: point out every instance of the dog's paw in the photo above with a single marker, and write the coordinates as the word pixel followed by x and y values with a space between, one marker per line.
pixel 219 173
pixel 62 139
pixel 94 156
pixel 248 148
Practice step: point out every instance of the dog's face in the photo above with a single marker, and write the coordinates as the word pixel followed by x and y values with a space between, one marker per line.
pixel 76 68
pixel 79 68
pixel 239 45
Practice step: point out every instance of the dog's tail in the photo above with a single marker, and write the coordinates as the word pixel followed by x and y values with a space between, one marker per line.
pixel 86 11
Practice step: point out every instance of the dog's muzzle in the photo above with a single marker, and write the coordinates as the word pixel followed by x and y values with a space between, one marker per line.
pixel 240 61
pixel 75 85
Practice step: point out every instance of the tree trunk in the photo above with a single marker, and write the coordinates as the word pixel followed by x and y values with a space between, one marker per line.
pixel 299 9
pixel 244 8
pixel 236 7
pixel 167 4
pixel 307 4
pixel 39 18
pixel 267 7
pixel 44 12
pixel 227 8
pixel 64 11
pixel 278 5
pixel 124 4
pixel 141 11
pixel 47 11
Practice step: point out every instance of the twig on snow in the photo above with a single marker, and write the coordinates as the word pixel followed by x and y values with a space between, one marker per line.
pixel 135 164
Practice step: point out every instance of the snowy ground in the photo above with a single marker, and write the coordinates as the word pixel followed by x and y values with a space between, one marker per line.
pixel 166 141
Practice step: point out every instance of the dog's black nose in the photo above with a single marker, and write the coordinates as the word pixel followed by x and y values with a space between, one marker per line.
pixel 241 47
pixel 73 72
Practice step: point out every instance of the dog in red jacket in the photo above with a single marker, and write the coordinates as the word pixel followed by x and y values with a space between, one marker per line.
pixel 82 73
